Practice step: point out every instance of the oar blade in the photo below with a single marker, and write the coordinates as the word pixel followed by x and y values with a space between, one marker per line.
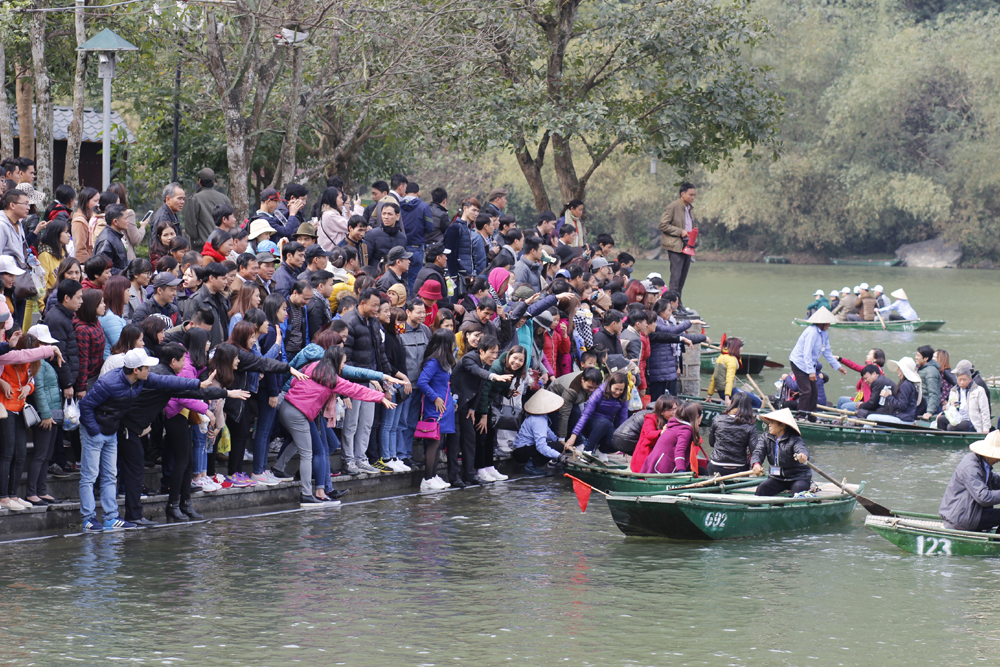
pixel 873 507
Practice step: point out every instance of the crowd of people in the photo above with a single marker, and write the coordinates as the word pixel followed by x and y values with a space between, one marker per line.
pixel 364 330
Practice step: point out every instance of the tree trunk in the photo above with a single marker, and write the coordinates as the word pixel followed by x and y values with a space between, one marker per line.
pixel 532 170
pixel 286 168
pixel 74 133
pixel 25 95
pixel 43 103
pixel 6 127
pixel 238 155
pixel 562 160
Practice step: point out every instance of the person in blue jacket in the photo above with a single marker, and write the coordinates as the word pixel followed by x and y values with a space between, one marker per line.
pixel 418 224
pixel 438 404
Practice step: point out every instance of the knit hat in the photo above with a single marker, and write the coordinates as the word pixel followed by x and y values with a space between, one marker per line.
pixel 399 290
pixel 602 301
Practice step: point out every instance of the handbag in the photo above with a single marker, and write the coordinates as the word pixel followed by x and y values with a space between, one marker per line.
pixel 429 429
pixel 25 285
pixel 31 416
pixel 507 416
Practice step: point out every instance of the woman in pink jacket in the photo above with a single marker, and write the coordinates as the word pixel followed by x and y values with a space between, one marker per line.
pixel 304 402
pixel 672 452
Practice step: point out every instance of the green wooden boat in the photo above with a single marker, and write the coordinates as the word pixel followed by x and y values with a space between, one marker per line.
pixel 775 259
pixel 890 325
pixel 994 390
pixel 750 363
pixel 865 262
pixel 925 535
pixel 623 480
pixel 728 514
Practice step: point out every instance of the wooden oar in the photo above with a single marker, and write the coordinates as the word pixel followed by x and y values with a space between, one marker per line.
pixel 853 420
pixel 593 460
pixel 762 395
pixel 843 412
pixel 880 319
pixel 870 505
pixel 772 364
pixel 713 480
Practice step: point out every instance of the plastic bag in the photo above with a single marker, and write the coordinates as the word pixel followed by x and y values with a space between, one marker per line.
pixel 225 443
pixel 71 414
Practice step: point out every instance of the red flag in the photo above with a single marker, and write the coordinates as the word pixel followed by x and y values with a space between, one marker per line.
pixel 582 491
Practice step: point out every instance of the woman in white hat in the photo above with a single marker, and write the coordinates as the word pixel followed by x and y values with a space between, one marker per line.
pixel 974 489
pixel 260 236
pixel 900 309
pixel 820 302
pixel 782 447
pixel 531 446
pixel 813 343
pixel 834 299
pixel 900 406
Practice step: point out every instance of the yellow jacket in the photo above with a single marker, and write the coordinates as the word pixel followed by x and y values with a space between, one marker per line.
pixel 724 375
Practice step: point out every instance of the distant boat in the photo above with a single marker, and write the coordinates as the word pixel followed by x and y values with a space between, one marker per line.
pixel 890 325
pixel 865 262
pixel 775 260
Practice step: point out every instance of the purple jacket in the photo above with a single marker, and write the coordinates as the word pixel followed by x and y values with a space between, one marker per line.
pixel 615 410
pixel 670 453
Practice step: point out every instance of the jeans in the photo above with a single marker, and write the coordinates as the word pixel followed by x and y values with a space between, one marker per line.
pixel 357 430
pixel 199 455
pixel 598 431
pixel 388 436
pixel 417 263
pixel 38 469
pixel 13 450
pixel 321 453
pixel 753 398
pixel 98 457
pixel 262 436
pixel 847 403
pixel 887 419
pixel 297 425
pixel 409 416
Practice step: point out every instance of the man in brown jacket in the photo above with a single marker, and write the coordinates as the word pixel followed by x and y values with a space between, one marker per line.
pixel 675 225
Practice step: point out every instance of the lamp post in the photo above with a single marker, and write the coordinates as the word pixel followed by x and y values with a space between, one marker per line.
pixel 108 45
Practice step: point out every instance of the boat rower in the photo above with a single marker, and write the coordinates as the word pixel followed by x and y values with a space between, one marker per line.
pixel 900 309
pixel 813 343
pixel 782 447
pixel 974 489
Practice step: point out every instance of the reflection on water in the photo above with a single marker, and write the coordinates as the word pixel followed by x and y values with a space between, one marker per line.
pixel 514 574
pixel 509 574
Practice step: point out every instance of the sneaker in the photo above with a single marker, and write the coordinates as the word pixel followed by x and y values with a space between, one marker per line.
pixel 56 471
pixel 311 502
pixel 351 468
pixel 275 446
pixel 484 477
pixel 22 502
pixel 534 471
pixel 247 455
pixel 430 486
pixel 330 502
pixel 237 481
pixel 263 480
pixel 280 475
pixel 496 474
pixel 601 456
pixel 118 524
pixel 91 526
pixel 207 484
pixel 382 466
pixel 222 481
pixel 246 479
pixel 271 478
pixel 400 465
pixel 394 464
pixel 364 466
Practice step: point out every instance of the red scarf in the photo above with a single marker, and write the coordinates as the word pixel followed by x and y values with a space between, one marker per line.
pixel 209 251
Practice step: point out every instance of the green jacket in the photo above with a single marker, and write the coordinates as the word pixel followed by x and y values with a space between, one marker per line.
pixel 821 302
pixel 493 387
pixel 930 377
pixel 197 213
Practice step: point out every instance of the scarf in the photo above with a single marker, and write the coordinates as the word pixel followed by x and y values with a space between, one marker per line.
pixel 209 251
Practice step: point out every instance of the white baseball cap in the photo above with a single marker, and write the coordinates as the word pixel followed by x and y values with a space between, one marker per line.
pixel 42 333
pixel 138 359
pixel 819 292
pixel 878 288
pixel 846 290
pixel 864 285
pixel 8 265
pixel 857 289
pixel 834 293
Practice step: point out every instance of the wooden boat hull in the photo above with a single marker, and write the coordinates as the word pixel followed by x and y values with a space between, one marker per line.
pixel 700 516
pixel 925 535
pixel 890 325
pixel 622 480
pixel 865 262
pixel 774 259
pixel 751 363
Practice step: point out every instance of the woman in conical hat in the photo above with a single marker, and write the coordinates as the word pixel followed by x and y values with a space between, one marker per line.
pixel 974 489
pixel 781 447
pixel 900 308
pixel 533 444
pixel 813 343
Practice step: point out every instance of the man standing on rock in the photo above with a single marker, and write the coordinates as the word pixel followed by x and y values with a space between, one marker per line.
pixel 676 224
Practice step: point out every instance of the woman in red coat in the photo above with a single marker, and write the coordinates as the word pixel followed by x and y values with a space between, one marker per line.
pixel 672 452
pixel 652 428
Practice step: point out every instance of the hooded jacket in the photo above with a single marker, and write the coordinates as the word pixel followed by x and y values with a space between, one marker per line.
pixel 930 378
pixel 417 220
pixel 364 343
pixel 662 363
pixel 670 453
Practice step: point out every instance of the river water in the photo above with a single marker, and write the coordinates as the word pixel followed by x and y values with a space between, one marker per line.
pixel 515 574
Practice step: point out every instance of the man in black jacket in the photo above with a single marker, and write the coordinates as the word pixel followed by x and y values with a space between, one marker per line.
pixel 397 264
pixel 364 349
pixel 210 296
pixel 319 305
pixel 110 243
pixel 162 302
pixel 293 259
pixel 873 376
pixel 467 381
pixel 390 235
pixel 69 298
pixel 609 334
pixel 435 262
pixel 439 213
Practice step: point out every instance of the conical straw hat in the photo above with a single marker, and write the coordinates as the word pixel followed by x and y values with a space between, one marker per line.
pixel 822 316
pixel 783 416
pixel 900 294
pixel 543 402
pixel 990 447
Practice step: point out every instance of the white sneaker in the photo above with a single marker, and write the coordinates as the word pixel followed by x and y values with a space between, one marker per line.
pixel 601 455
pixel 247 455
pixel 271 478
pixel 393 464
pixel 400 466
pixel 484 477
pixel 263 480
pixel 428 486
pixel 440 483
pixel 496 474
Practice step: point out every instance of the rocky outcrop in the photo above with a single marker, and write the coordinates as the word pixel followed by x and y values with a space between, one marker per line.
pixel 933 254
